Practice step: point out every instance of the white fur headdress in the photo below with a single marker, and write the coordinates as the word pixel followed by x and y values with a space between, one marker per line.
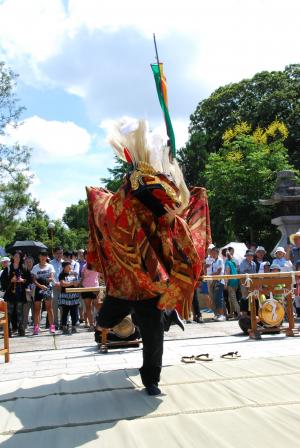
pixel 133 143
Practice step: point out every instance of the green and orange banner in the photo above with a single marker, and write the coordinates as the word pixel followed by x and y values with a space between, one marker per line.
pixel 161 87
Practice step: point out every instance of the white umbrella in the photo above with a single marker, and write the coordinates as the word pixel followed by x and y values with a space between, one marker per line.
pixel 239 250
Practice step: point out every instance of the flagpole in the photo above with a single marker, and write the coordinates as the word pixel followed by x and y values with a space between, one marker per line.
pixel 158 63
pixel 156 52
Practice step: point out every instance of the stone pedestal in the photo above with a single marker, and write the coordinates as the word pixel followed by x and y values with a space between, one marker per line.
pixel 286 225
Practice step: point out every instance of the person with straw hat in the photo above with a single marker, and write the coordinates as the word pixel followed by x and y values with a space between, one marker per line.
pixel 293 250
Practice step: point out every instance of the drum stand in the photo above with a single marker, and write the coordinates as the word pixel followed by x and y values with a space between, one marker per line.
pixel 265 286
pixel 104 345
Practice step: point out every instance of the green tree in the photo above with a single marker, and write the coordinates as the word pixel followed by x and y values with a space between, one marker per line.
pixel 118 172
pixel 238 175
pixel 35 227
pixel 192 159
pixel 14 160
pixel 76 215
pixel 258 101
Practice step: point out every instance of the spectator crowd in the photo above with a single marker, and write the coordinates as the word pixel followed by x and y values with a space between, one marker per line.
pixel 30 288
pixel 228 298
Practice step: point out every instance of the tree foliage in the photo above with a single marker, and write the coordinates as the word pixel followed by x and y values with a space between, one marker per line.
pixel 35 227
pixel 14 160
pixel 238 175
pixel 257 101
pixel 118 172
pixel 192 159
pixel 76 215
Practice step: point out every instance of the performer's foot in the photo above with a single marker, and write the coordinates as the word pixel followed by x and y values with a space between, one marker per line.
pixel 176 319
pixel 153 390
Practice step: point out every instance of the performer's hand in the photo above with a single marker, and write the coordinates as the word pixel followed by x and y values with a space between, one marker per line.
pixel 172 212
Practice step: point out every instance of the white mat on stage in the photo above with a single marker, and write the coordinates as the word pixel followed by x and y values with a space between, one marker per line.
pixel 248 403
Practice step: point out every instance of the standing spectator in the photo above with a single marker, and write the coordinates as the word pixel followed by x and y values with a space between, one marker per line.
pixel 81 260
pixel 75 268
pixel 281 260
pixel 259 259
pixel 28 263
pixel 57 265
pixel 293 251
pixel 217 268
pixel 208 262
pixel 90 278
pixel 14 280
pixel 82 311
pixel 247 266
pixel 69 301
pixel 5 261
pixel 232 285
pixel 297 290
pixel 236 261
pixel 43 278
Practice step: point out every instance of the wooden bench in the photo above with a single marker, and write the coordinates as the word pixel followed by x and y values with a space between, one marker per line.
pixel 4 325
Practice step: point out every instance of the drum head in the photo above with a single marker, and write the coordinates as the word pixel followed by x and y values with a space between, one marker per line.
pixel 125 328
pixel 271 313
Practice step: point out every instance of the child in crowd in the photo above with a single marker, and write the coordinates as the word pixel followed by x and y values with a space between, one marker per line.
pixel 89 278
pixel 69 301
pixel 280 260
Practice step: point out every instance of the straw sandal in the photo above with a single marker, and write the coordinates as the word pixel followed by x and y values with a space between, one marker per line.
pixel 203 357
pixel 231 355
pixel 188 359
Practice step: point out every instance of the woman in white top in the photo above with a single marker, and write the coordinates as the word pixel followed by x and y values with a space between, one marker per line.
pixel 43 277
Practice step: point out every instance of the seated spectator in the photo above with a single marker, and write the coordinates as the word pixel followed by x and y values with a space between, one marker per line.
pixel 14 280
pixel 281 260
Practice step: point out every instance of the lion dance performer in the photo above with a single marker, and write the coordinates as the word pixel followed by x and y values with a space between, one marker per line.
pixel 149 241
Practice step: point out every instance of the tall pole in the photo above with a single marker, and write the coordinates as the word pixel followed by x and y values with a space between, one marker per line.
pixel 158 63
pixel 156 52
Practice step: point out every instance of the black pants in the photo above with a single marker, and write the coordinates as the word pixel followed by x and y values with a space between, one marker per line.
pixel 15 314
pixel 150 322
pixel 73 309
pixel 195 304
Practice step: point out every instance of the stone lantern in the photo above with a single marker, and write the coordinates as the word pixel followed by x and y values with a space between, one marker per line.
pixel 286 200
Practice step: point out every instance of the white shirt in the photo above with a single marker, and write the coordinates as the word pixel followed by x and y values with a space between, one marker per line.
pixel 208 261
pixel 216 265
pixel 42 272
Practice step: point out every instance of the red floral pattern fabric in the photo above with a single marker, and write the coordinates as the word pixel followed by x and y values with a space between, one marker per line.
pixel 142 256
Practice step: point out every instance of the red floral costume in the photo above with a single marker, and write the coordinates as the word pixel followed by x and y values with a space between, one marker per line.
pixel 141 255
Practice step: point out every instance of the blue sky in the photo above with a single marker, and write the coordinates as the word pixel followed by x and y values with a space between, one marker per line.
pixel 84 63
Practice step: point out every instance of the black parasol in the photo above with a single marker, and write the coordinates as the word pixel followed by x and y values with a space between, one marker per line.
pixel 31 248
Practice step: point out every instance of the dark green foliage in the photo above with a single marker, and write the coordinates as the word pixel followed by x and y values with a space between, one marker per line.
pixel 118 173
pixel 76 216
pixel 242 172
pixel 258 101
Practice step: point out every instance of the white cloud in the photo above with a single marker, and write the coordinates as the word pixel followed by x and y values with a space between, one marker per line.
pixel 102 54
pixel 31 31
pixel 50 138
